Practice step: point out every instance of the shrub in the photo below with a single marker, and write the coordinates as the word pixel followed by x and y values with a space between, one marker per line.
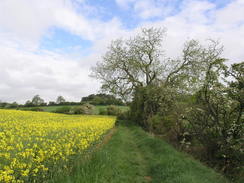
pixel 84 109
pixel 158 124
pixel 150 101
pixel 103 111
pixel 11 106
pixel 113 110
pixel 123 115
pixel 216 119
pixel 77 110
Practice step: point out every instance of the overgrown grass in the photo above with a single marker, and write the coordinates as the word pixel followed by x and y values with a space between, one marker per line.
pixel 133 155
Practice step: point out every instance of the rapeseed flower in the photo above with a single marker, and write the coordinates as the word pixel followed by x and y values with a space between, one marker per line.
pixel 33 143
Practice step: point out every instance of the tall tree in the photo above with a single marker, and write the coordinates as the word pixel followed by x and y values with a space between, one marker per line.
pixel 131 63
pixel 60 100
pixel 37 100
pixel 139 62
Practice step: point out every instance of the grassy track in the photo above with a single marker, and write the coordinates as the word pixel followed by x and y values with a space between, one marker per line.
pixel 133 156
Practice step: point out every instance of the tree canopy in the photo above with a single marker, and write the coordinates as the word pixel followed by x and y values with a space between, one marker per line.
pixel 60 100
pixel 140 61
pixel 131 63
pixel 37 100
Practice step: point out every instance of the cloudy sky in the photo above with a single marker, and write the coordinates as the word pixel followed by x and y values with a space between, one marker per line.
pixel 47 47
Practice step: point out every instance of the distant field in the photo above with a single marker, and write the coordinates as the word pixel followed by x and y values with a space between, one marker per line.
pixel 54 108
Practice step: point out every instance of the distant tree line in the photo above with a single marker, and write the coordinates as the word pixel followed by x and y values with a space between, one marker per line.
pixel 94 99
pixel 8 105
pixel 195 101
pixel 102 99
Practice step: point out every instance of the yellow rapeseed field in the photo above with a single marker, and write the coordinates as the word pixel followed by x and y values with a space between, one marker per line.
pixel 35 145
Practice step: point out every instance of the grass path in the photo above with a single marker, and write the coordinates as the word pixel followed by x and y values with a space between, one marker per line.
pixel 133 156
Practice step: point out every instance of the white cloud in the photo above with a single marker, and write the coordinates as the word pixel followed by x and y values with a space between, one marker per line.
pixel 26 21
pixel 24 74
pixel 147 9
pixel 25 70
pixel 197 12
pixel 202 20
pixel 230 16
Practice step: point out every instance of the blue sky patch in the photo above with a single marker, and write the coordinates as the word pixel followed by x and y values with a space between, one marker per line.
pixel 59 39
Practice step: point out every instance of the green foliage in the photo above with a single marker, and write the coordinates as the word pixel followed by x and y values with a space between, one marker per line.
pixel 159 124
pixel 212 116
pixel 150 101
pixel 83 109
pixel 60 100
pixel 29 104
pixel 194 100
pixel 103 111
pixel 37 100
pixel 217 119
pixel 78 110
pixel 3 104
pixel 113 110
pixel 102 99
pixel 124 115
pixel 11 105
pixel 131 63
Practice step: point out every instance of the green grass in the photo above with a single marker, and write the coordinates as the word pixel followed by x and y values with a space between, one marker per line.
pixel 134 156
pixel 47 108
pixel 54 108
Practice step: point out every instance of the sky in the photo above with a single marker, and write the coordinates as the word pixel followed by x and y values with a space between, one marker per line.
pixel 47 47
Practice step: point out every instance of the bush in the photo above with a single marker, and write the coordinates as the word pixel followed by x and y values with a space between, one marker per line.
pixel 150 101
pixel 77 110
pixel 84 109
pixel 11 106
pixel 123 115
pixel 64 110
pixel 102 99
pixel 113 110
pixel 158 124
pixel 103 111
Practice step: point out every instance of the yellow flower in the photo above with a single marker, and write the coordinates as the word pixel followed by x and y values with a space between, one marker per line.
pixel 35 142
pixel 25 172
